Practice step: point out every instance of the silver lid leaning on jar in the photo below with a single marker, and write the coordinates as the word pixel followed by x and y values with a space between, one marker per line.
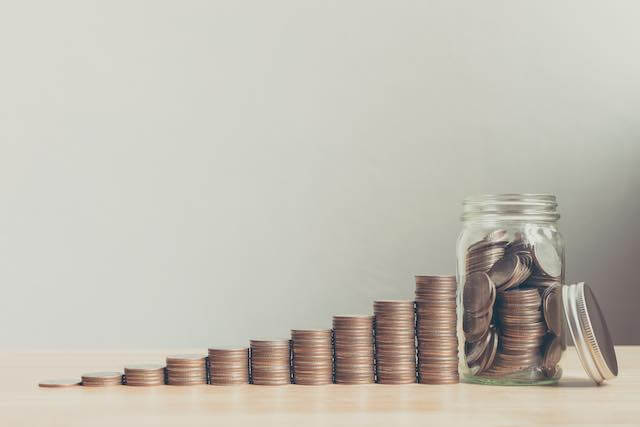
pixel 590 333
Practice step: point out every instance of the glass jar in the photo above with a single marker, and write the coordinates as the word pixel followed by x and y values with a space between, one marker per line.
pixel 510 269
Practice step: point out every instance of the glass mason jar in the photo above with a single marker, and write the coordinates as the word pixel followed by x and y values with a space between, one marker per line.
pixel 510 269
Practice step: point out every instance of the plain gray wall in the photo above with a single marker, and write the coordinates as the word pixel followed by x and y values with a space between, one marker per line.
pixel 204 172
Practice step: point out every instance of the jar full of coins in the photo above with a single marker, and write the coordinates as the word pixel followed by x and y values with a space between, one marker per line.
pixel 510 272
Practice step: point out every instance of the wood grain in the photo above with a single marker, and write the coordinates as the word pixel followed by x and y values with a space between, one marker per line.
pixel 576 400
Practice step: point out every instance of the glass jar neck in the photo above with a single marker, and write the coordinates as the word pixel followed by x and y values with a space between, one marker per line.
pixel 540 208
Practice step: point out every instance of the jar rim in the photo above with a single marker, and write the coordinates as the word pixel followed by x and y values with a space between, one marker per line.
pixel 511 197
pixel 511 207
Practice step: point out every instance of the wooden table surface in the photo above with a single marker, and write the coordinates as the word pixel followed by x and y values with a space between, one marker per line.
pixel 576 400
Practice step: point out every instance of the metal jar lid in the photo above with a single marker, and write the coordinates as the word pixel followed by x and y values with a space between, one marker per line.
pixel 589 332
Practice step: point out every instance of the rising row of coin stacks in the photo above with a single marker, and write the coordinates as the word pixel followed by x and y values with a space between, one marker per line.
pixel 360 349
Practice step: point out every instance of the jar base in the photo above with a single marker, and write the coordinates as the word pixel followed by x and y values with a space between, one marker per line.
pixel 517 379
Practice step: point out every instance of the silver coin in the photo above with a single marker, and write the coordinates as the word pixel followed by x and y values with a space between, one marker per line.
pixel 547 259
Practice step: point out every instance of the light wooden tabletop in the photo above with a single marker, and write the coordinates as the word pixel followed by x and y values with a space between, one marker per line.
pixel 576 400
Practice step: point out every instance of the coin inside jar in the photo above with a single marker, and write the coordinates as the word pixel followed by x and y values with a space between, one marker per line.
pixel 552 305
pixel 478 293
pixel 503 270
pixel 547 259
pixel 475 327
pixel 552 354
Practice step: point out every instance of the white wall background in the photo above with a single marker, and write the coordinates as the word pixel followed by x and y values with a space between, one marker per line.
pixel 204 172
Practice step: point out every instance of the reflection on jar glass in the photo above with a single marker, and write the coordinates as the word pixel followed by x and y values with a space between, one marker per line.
pixel 510 270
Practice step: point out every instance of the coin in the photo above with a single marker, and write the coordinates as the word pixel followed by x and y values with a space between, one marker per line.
pixel 552 355
pixel 270 362
pixel 437 355
pixel 547 259
pixel 488 356
pixel 102 379
pixel 395 341
pixel 553 314
pixel 475 349
pixel 186 369
pixel 474 327
pixel 503 270
pixel 478 294
pixel 312 356
pixel 144 367
pixel 228 366
pixel 59 383
pixel 148 374
pixel 354 349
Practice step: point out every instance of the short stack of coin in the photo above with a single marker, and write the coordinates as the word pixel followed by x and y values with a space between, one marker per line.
pixel 186 369
pixel 395 342
pixel 523 330
pixel 312 354
pixel 270 362
pixel 101 379
pixel 144 375
pixel 60 383
pixel 228 366
pixel 354 349
pixel 436 329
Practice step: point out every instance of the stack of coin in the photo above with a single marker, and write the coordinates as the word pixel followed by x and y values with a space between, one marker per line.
pixel 101 379
pixel 436 329
pixel 144 374
pixel 228 366
pixel 60 383
pixel 312 354
pixel 483 254
pixel 523 331
pixel 354 352
pixel 270 362
pixel 395 342
pixel 186 369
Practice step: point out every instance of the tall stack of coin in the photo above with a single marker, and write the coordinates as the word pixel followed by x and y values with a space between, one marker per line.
pixel 312 354
pixel 144 375
pixel 436 329
pixel 395 342
pixel 186 369
pixel 354 351
pixel 523 330
pixel 102 379
pixel 228 366
pixel 270 362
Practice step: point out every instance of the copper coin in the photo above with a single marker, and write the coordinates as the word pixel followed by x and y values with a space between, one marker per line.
pixel 553 311
pixel 477 294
